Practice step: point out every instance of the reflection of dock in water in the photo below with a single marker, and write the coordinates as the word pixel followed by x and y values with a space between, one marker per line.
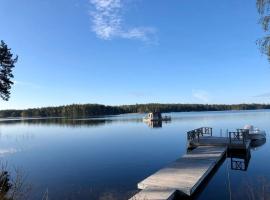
pixel 239 159
pixel 188 173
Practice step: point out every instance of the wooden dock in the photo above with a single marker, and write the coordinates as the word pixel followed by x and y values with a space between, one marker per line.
pixel 187 173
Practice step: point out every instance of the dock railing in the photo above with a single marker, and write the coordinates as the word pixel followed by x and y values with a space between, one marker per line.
pixel 199 132
pixel 239 136
pixel 245 131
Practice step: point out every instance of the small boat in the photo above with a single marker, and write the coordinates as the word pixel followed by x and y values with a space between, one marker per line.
pixel 257 143
pixel 255 133
pixel 156 116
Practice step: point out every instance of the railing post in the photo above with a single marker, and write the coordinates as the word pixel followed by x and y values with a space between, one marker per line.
pixel 199 132
pixel 244 137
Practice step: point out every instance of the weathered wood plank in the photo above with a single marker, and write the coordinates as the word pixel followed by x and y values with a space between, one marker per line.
pixel 154 194
pixel 186 173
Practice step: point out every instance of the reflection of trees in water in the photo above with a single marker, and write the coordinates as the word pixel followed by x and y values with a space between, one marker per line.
pixel 18 137
pixel 58 121
pixel 67 122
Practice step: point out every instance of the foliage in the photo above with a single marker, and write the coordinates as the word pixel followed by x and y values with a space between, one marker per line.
pixel 6 65
pixel 263 7
pixel 5 185
pixel 88 110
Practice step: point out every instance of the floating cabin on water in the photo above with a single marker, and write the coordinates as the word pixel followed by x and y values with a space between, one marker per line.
pixel 156 116
pixel 153 116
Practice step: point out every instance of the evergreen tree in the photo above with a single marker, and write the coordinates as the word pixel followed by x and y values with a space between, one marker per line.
pixel 6 65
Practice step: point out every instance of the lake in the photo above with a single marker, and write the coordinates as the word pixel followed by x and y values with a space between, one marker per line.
pixel 104 158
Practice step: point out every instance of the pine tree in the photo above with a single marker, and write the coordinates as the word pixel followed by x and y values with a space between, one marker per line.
pixel 6 65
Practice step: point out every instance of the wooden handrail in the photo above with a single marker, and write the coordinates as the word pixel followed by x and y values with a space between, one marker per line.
pixel 196 133
pixel 239 135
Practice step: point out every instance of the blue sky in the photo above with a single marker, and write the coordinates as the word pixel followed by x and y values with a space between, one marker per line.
pixel 134 51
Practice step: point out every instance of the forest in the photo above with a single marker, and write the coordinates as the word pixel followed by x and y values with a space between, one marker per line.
pixel 89 110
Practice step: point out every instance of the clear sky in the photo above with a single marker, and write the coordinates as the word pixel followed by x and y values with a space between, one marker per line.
pixel 134 51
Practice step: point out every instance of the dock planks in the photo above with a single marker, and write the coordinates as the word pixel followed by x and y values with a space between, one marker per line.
pixel 155 194
pixel 184 175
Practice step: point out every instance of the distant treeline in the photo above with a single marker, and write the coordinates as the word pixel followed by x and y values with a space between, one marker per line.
pixel 88 110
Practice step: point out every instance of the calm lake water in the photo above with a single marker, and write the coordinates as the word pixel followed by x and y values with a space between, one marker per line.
pixel 105 158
